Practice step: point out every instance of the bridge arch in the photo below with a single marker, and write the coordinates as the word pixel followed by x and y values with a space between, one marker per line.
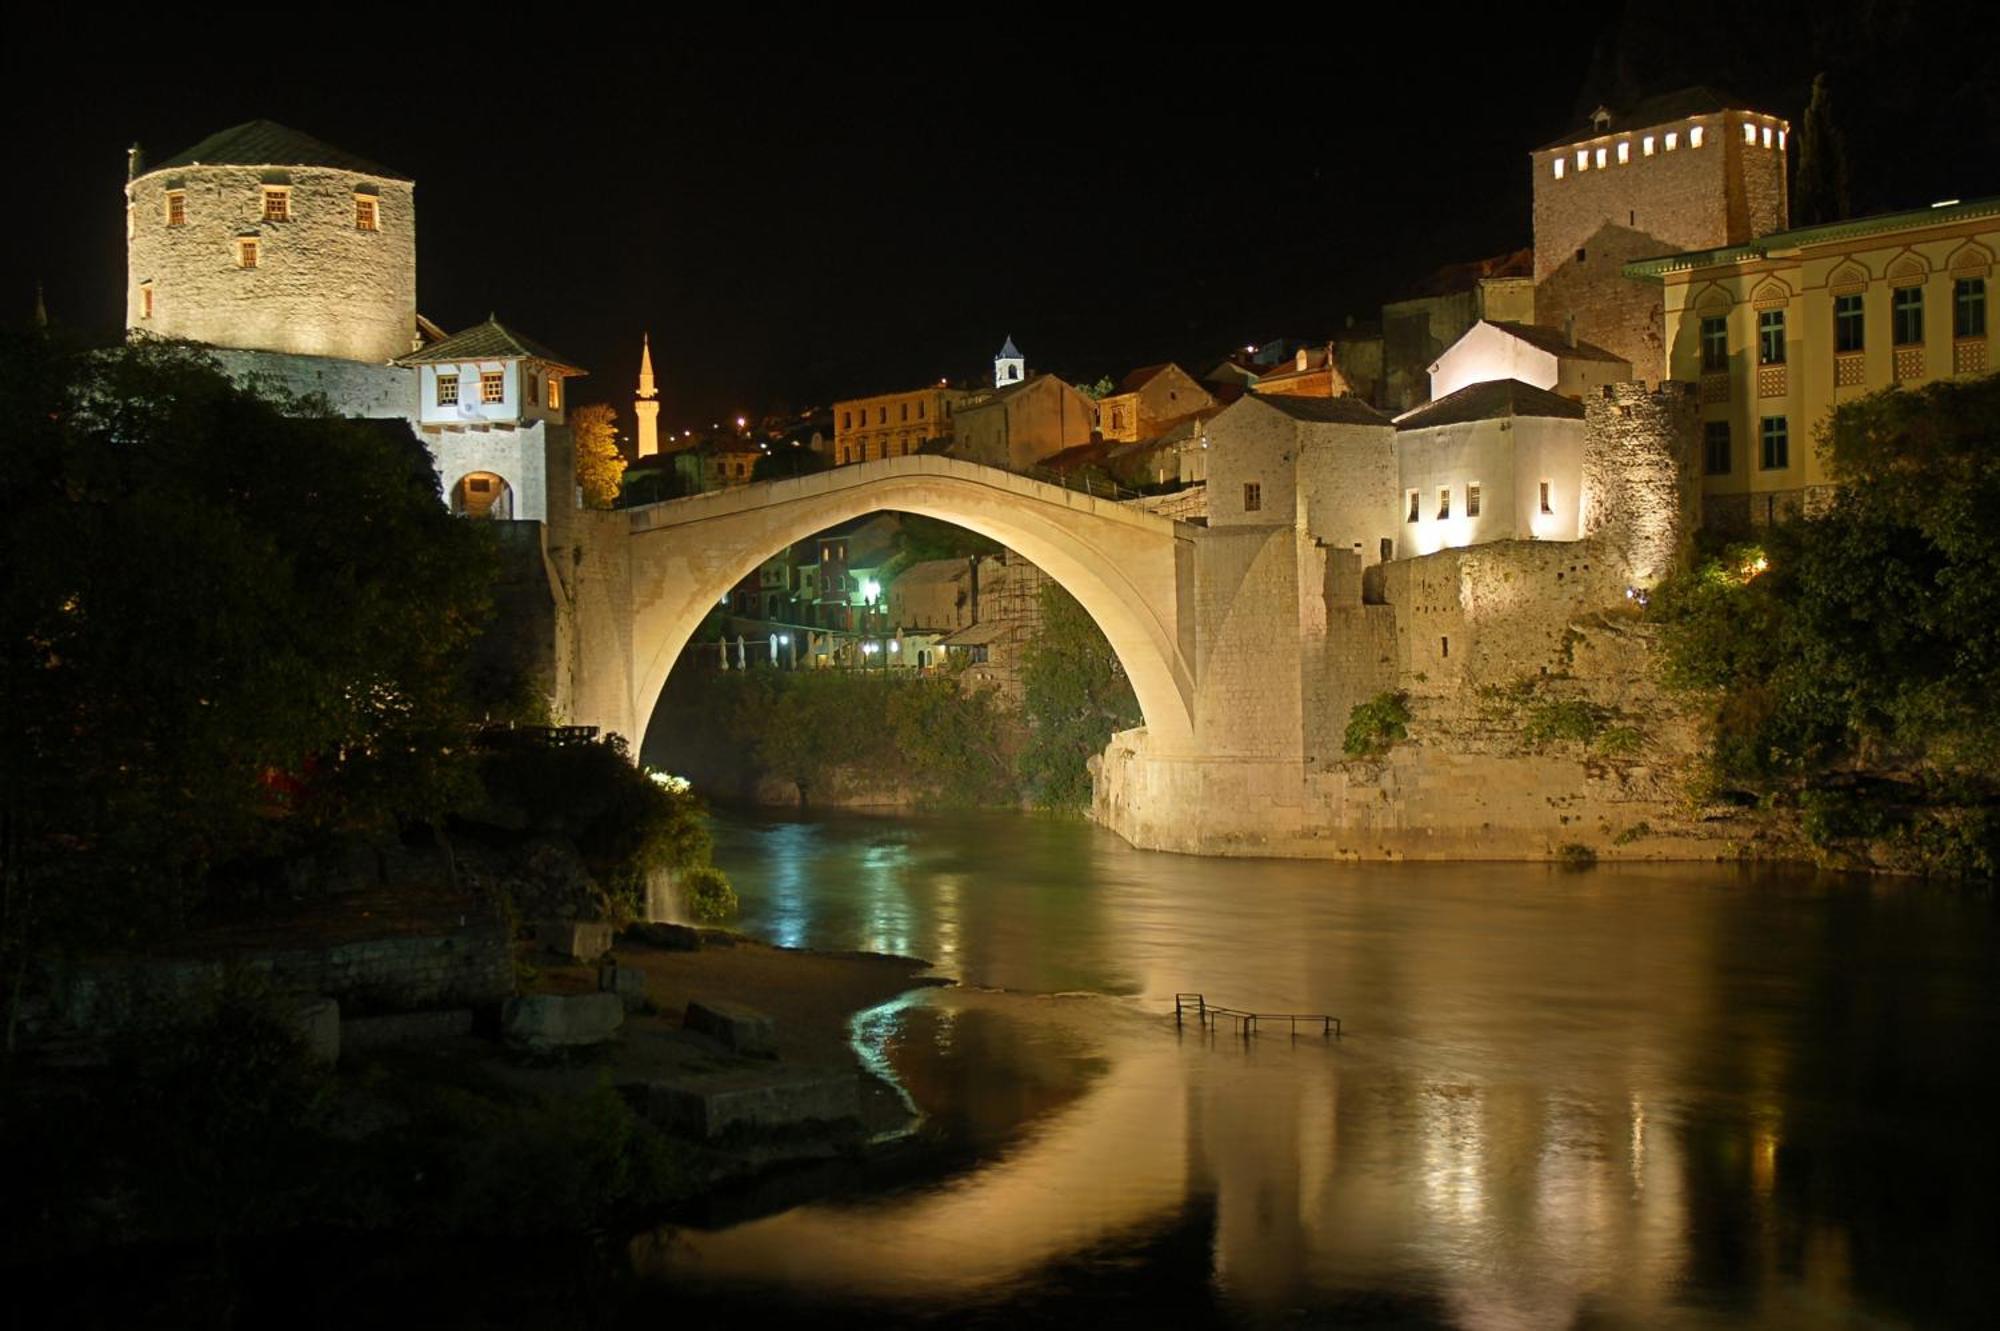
pixel 1120 564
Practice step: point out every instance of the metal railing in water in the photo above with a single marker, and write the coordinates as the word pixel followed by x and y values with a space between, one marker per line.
pixel 1210 1017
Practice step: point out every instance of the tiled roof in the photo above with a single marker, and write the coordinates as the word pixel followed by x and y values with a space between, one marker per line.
pixel 491 340
pixel 1668 106
pixel 1493 400
pixel 1009 351
pixel 267 143
pixel 1555 342
pixel 1323 410
pixel 1142 376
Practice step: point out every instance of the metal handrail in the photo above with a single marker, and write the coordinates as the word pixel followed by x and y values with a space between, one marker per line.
pixel 1208 1015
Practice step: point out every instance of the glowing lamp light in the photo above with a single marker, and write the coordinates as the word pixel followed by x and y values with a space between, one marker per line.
pixel 870 589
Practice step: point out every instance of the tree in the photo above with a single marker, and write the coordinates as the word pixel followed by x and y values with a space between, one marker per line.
pixel 1100 390
pixel 1820 193
pixel 600 467
pixel 1077 698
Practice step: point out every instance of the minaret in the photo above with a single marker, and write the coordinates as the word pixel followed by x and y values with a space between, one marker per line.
pixel 648 406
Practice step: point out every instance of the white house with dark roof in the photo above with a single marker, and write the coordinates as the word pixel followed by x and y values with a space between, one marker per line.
pixel 1540 357
pixel 1495 461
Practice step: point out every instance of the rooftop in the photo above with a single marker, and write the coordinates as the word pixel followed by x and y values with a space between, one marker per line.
pixel 491 340
pixel 1497 399
pixel 1680 104
pixel 1322 410
pixel 267 143
pixel 1554 341
pixel 1828 233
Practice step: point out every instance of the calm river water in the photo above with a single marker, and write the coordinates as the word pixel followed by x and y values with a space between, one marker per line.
pixel 1649 1096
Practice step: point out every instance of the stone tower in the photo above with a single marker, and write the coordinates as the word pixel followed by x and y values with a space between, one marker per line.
pixel 1688 170
pixel 1010 366
pixel 1641 495
pixel 647 406
pixel 265 239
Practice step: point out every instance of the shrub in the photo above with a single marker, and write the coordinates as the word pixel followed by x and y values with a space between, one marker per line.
pixel 1619 741
pixel 1375 725
pixel 1565 718
pixel 1575 855
pixel 709 896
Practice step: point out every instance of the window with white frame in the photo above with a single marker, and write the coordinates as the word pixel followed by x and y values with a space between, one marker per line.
pixel 492 386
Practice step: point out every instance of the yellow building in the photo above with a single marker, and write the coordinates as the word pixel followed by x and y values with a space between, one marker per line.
pixel 1779 331
pixel 892 425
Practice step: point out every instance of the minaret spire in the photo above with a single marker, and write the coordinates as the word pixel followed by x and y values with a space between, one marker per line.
pixel 647 407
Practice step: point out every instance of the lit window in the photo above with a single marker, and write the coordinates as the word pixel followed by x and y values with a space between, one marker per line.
pixel 1714 344
pixel 1624 151
pixel 1600 159
pixel 1694 136
pixel 1253 496
pixel 1444 503
pixel 1770 337
pixel 447 393
pixel 246 253
pixel 145 300
pixel 492 386
pixel 1559 164
pixel 1907 316
pixel 1472 500
pixel 1968 307
pixel 1767 136
pixel 555 392
pixel 1548 506
pixel 1749 133
pixel 1646 146
pixel 177 207
pixel 1847 323
pixel 1781 140
pixel 277 205
pixel 1673 139
pixel 364 213
pixel 1777 444
pixel 1414 501
pixel 1582 159
pixel 1715 448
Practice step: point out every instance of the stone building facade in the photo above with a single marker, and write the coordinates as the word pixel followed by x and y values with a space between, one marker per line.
pixel 1022 424
pixel 265 239
pixel 1779 331
pixel 1150 399
pixel 1687 170
pixel 893 425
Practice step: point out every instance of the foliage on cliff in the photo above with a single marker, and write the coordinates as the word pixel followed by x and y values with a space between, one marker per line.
pixel 1856 654
pixel 600 467
pixel 225 626
pixel 1377 724
pixel 1077 698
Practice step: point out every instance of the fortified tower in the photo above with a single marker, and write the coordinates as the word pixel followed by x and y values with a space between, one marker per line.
pixel 1688 170
pixel 265 239
pixel 1640 495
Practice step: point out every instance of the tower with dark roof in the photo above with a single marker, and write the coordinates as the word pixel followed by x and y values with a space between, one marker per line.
pixel 1010 366
pixel 261 238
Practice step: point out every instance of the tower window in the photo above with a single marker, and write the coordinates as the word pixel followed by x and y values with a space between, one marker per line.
pixel 1559 168
pixel 1767 136
pixel 364 213
pixel 1777 443
pixel 1624 151
pixel 1750 133
pixel 1673 139
pixel 1646 146
pixel 1781 140
pixel 1694 136
pixel 177 207
pixel 145 300
pixel 1600 159
pixel 1770 337
pixel 1715 448
pixel 1253 496
pixel 1907 316
pixel 1968 307
pixel 1848 331
pixel 1582 159
pixel 277 204
pixel 492 386
pixel 246 252
pixel 447 390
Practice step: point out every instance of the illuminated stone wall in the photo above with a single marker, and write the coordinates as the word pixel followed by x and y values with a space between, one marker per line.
pixel 1641 490
pixel 351 388
pixel 321 286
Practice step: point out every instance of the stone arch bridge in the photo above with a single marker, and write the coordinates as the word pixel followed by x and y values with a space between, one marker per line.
pixel 646 577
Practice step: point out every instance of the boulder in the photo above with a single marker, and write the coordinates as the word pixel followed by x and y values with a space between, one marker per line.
pixel 628 982
pixel 317 1021
pixel 574 940
pixel 708 1104
pixel 732 1025
pixel 403 1029
pixel 542 1022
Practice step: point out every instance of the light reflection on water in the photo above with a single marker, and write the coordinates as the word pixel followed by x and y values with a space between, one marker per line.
pixel 1681 1095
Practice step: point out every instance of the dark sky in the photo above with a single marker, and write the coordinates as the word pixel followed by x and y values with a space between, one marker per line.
pixel 794 225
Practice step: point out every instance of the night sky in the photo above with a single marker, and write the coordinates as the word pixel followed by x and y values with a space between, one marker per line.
pixel 796 225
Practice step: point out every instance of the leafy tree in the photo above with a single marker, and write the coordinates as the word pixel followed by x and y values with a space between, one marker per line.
pixel 954 741
pixel 600 467
pixel 789 460
pixel 1077 697
pixel 1098 391
pixel 1820 192
pixel 227 622
pixel 919 538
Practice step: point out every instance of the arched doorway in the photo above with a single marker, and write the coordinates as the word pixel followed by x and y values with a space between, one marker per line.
pixel 482 494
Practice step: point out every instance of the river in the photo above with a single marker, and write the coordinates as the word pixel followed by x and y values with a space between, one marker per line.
pixel 1625 1096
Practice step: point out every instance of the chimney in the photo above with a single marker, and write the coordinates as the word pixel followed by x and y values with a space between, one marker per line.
pixel 1569 328
pixel 135 162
